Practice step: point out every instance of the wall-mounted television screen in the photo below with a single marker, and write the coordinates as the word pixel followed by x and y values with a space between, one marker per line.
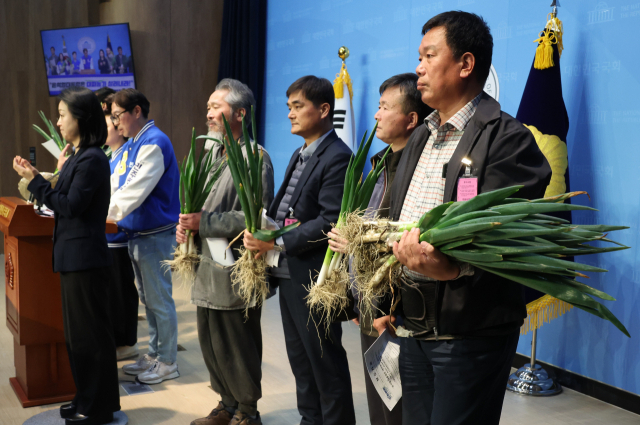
pixel 91 57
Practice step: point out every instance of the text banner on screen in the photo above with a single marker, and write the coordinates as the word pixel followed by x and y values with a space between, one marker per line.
pixel 116 82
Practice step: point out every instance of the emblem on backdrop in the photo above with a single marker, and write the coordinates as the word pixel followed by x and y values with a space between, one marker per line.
pixel 492 86
pixel 87 43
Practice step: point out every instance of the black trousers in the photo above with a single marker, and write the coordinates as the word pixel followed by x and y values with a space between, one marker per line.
pixel 455 382
pixel 318 361
pixel 88 335
pixel 232 349
pixel 123 299
pixel 378 412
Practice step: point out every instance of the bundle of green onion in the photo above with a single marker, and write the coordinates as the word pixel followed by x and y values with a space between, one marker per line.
pixel 196 182
pixel 249 274
pixel 53 133
pixel 509 237
pixel 328 295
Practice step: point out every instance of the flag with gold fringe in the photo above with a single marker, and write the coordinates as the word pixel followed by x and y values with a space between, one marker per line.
pixel 542 110
pixel 343 118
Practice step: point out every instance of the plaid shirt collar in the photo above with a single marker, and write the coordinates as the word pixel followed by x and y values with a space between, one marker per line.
pixel 458 121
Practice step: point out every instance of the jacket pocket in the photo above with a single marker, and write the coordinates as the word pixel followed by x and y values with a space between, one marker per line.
pixel 213 285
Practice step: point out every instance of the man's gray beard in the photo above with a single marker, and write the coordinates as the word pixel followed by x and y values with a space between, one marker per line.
pixel 216 135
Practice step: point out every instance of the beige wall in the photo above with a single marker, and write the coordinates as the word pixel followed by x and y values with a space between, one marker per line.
pixel 176 46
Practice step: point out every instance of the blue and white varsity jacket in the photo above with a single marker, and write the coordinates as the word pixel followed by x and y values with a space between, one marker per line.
pixel 119 239
pixel 147 180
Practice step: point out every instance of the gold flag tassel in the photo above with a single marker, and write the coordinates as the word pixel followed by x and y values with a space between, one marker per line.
pixel 551 35
pixel 554 24
pixel 342 78
pixel 544 52
pixel 543 310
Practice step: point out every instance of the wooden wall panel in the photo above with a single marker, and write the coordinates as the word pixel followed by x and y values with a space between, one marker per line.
pixel 150 26
pixel 195 51
pixel 176 47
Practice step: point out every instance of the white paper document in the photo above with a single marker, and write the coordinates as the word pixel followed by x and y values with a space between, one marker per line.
pixel 382 364
pixel 53 149
pixel 272 256
pixel 219 251
pixel 223 255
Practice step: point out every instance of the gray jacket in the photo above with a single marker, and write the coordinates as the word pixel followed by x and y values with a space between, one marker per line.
pixel 222 217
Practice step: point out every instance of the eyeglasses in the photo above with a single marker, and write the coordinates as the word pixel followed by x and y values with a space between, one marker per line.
pixel 115 118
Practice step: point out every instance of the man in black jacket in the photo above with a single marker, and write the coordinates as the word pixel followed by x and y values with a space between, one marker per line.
pixel 400 112
pixel 464 323
pixel 311 193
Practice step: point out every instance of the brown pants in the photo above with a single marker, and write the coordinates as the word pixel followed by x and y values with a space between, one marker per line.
pixel 232 350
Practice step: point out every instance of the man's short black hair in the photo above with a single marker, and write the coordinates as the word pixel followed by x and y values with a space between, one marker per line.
pixel 466 32
pixel 85 50
pixel 317 90
pixel 412 101
pixel 128 99
pixel 119 47
pixel 52 48
pixel 74 53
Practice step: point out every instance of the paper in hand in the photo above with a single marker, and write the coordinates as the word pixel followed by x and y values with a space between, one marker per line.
pixel 272 256
pixel 53 149
pixel 381 360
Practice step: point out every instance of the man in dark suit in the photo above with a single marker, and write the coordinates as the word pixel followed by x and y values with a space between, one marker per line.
pixel 311 193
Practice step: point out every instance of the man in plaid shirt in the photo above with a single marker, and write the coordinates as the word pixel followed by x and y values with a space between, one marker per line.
pixel 464 323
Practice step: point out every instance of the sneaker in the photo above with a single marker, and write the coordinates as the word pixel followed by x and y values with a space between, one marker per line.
pixel 241 418
pixel 126 351
pixel 142 365
pixel 159 372
pixel 218 416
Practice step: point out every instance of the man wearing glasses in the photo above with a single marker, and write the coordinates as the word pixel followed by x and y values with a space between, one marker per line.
pixel 146 207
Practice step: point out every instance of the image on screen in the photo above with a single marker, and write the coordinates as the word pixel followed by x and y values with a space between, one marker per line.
pixel 91 57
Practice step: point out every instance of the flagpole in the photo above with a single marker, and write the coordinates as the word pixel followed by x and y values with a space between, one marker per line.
pixel 534 339
pixel 532 379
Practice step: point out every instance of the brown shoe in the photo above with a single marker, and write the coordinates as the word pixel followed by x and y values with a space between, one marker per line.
pixel 243 419
pixel 218 416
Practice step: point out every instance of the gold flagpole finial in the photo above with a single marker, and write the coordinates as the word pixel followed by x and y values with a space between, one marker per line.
pixel 343 75
pixel 343 52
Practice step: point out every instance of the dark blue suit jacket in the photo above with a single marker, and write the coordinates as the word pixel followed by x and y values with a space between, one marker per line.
pixel 80 201
pixel 316 203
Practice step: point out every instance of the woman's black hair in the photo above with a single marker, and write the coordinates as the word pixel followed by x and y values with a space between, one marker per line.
pixel 85 107
pixel 102 52
pixel 107 102
pixel 103 92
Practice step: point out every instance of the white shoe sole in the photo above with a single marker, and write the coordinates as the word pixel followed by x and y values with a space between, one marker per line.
pixel 173 375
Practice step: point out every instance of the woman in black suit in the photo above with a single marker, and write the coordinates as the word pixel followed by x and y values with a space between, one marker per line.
pixel 80 253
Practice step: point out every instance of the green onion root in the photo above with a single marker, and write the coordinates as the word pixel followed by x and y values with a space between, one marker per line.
pixel 249 278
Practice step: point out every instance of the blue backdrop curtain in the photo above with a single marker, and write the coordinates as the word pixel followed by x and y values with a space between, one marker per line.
pixel 242 53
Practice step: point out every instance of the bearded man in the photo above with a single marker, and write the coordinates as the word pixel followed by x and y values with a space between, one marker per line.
pixel 231 343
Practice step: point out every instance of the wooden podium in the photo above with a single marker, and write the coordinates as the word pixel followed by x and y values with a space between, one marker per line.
pixel 34 306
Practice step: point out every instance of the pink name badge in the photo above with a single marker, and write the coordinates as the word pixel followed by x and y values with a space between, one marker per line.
pixel 467 188
pixel 289 221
